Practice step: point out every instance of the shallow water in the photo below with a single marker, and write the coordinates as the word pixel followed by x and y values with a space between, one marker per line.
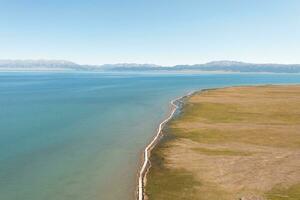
pixel 80 136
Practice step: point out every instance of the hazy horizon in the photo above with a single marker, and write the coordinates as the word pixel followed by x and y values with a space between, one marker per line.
pixel 154 64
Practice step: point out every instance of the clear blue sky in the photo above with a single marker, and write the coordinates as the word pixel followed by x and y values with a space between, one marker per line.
pixel 151 31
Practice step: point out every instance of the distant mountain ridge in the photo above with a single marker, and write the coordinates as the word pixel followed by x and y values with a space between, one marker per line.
pixel 234 66
pixel 38 64
pixel 224 66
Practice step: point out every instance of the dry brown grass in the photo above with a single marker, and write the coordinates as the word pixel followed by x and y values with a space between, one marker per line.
pixel 239 142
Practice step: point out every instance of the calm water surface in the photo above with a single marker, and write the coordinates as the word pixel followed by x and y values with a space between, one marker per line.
pixel 79 136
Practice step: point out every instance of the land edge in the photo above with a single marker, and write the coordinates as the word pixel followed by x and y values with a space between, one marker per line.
pixel 142 174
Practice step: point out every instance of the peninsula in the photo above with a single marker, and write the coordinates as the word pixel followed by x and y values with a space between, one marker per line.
pixel 238 143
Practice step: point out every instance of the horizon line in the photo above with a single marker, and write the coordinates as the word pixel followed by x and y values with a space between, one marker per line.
pixel 146 63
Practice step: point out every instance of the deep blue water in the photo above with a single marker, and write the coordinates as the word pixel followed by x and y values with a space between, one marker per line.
pixel 79 136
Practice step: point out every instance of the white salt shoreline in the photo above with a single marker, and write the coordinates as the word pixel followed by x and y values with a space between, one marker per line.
pixel 147 151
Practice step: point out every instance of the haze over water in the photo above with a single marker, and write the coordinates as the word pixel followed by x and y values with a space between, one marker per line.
pixel 80 136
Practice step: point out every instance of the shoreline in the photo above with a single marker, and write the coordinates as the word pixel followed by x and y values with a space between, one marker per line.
pixel 147 151
pixel 165 181
pixel 146 164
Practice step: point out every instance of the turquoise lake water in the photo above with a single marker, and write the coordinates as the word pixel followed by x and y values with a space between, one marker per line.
pixel 79 136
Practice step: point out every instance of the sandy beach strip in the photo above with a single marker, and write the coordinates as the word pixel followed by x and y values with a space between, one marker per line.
pixel 151 145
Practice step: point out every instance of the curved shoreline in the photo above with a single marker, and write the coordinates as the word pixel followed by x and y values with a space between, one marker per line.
pixel 149 147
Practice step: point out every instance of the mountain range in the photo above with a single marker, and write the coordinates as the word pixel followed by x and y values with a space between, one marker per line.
pixel 221 66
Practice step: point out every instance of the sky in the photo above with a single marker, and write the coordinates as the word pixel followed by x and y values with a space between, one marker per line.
pixel 165 32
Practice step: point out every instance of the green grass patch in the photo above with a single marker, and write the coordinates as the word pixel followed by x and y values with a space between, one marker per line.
pixel 221 152
pixel 252 136
pixel 271 113
pixel 168 184
pixel 291 193
pixel 211 112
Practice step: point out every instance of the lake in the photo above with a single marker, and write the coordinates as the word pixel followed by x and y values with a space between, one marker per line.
pixel 80 136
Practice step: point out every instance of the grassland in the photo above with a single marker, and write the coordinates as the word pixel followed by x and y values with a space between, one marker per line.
pixel 230 143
